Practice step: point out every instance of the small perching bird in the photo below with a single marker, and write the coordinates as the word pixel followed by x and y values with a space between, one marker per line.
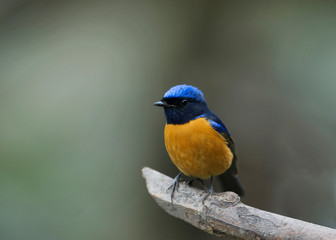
pixel 196 140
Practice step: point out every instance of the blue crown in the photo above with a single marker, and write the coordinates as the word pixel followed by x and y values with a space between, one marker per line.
pixel 185 91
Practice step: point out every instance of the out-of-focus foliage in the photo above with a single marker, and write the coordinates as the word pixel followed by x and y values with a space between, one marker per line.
pixel 77 84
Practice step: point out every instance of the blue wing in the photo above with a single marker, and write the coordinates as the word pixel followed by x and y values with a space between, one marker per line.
pixel 229 178
pixel 216 123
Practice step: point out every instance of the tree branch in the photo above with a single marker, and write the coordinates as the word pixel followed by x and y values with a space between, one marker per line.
pixel 224 215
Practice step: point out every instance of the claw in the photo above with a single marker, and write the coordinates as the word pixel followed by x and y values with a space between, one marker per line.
pixel 174 186
pixel 210 191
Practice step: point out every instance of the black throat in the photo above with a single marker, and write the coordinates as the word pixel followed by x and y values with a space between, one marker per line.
pixel 182 115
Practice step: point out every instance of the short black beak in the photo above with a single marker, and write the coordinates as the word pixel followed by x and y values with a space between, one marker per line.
pixel 162 104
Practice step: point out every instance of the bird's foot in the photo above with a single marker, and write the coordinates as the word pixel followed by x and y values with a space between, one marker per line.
pixel 207 195
pixel 174 186
pixel 210 191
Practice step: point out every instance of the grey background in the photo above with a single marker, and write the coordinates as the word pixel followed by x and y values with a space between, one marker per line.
pixel 77 84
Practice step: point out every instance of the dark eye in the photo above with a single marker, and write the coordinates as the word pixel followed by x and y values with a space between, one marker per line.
pixel 184 102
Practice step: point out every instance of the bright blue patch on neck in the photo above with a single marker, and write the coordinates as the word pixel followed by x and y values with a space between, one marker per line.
pixel 185 91
pixel 218 127
pixel 215 122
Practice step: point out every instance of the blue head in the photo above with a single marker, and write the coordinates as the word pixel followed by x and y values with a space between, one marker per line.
pixel 182 104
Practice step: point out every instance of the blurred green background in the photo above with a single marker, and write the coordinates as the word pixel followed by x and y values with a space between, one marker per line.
pixel 78 80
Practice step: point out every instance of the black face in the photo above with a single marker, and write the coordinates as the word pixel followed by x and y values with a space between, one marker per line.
pixel 181 110
pixel 177 102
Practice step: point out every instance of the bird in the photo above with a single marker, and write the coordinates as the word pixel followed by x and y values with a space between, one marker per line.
pixel 197 141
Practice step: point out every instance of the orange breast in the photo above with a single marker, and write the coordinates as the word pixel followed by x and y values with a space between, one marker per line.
pixel 197 149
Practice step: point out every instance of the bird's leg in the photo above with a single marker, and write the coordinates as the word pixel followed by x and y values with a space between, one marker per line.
pixel 190 182
pixel 174 186
pixel 210 191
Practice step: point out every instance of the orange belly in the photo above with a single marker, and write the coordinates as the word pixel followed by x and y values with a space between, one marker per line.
pixel 197 149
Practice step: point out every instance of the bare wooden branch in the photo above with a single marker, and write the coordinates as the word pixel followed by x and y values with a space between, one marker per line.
pixel 224 215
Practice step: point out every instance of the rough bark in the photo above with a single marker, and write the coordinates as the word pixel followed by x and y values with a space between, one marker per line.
pixel 223 214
